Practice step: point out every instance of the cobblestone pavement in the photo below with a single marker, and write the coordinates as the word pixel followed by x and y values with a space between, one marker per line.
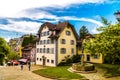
pixel 15 73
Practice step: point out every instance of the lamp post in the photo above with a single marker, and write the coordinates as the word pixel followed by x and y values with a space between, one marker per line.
pixel 117 15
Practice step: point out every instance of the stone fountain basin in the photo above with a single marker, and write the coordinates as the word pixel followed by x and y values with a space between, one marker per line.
pixel 85 67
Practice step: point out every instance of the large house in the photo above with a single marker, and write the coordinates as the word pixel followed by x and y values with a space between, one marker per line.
pixel 55 41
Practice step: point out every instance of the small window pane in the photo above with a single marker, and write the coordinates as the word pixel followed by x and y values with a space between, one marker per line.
pixel 68 33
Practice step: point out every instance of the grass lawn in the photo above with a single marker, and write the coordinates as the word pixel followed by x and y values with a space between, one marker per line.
pixel 111 70
pixel 58 72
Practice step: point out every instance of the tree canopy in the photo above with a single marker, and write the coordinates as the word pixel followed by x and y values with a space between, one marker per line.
pixel 107 43
pixel 12 56
pixel 83 31
pixel 28 39
pixel 4 50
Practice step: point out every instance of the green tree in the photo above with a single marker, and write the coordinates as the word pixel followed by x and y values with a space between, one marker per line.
pixel 107 43
pixel 13 56
pixel 4 50
pixel 106 23
pixel 28 39
pixel 83 31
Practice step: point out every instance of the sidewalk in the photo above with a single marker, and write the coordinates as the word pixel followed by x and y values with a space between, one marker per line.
pixel 15 73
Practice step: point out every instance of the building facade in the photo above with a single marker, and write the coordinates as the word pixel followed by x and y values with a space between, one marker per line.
pixel 97 58
pixel 29 52
pixel 55 41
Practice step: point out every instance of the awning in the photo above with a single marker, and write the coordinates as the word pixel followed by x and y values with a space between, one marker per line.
pixel 23 60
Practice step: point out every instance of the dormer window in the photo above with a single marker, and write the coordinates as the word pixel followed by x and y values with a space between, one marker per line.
pixel 87 40
pixel 68 33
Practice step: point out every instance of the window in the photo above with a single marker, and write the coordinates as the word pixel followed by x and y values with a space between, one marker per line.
pixel 96 56
pixel 44 33
pixel 43 50
pixel 40 59
pixel 52 61
pixel 48 41
pixel 63 50
pixel 87 40
pixel 68 33
pixel 40 50
pixel 37 50
pixel 72 50
pixel 48 50
pixel 47 60
pixel 52 50
pixel 63 41
pixel 72 42
pixel 37 59
pixel 41 42
pixel 47 32
pixel 44 41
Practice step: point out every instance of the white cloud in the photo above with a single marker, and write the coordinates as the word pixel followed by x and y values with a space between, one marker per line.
pixel 82 19
pixel 23 26
pixel 13 7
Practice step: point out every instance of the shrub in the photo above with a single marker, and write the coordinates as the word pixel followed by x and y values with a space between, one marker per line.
pixel 69 60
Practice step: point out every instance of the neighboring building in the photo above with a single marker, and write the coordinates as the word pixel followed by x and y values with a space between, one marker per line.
pixel 29 52
pixel 15 45
pixel 87 56
pixel 28 42
pixel 55 42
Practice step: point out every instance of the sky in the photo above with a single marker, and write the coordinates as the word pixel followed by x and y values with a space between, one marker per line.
pixel 19 17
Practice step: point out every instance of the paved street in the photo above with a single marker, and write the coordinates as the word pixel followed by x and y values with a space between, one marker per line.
pixel 15 73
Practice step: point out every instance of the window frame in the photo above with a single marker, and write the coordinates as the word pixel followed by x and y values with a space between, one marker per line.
pixel 63 50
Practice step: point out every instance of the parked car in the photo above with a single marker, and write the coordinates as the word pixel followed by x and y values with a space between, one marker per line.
pixel 12 62
pixel 15 62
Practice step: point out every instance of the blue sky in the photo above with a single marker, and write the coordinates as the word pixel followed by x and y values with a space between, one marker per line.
pixel 19 17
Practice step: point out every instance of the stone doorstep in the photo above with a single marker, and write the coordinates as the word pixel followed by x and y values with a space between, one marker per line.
pixel 84 72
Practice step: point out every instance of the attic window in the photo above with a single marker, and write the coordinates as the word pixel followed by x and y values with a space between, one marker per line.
pixel 87 40
pixel 68 33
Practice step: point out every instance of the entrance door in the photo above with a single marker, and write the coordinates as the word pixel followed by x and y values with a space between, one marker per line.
pixel 88 58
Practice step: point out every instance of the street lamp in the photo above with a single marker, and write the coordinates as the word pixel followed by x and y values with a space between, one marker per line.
pixel 117 15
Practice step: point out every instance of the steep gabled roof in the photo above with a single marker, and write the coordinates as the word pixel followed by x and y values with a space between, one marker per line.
pixel 49 25
pixel 58 28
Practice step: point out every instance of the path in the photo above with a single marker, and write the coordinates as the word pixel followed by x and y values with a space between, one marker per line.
pixel 97 76
pixel 15 73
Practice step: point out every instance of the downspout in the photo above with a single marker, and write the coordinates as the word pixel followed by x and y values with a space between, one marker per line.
pixel 56 52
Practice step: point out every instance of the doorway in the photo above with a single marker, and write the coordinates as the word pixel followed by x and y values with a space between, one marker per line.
pixel 88 58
